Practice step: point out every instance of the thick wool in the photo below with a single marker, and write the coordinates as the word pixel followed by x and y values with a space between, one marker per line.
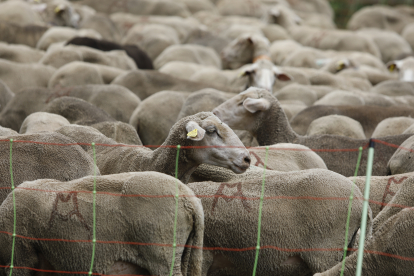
pixel 42 122
pixel 382 189
pixel 77 111
pixel 32 161
pixel 271 127
pixel 155 116
pixel 336 125
pixel 144 83
pixel 17 34
pixel 392 234
pixel 36 75
pixel 65 211
pixel 120 132
pixel 118 159
pixel 286 222
pixel 116 100
pixel 401 161
pixel 368 116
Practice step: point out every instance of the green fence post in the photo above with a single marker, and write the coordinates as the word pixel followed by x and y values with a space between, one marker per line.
pixel 14 209
pixel 365 208
pixel 94 213
pixel 176 210
pixel 260 215
pixel 351 198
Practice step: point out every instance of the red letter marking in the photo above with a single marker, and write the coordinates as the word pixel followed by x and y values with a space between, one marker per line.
pixel 238 194
pixel 388 191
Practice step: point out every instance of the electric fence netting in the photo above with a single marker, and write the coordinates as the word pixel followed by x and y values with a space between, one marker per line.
pixel 263 199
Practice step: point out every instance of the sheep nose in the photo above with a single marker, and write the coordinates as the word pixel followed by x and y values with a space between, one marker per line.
pixel 247 159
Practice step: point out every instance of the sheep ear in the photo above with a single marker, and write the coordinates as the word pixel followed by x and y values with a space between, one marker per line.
pixel 60 8
pixel 194 131
pixel 247 70
pixel 394 65
pixel 280 75
pixel 254 105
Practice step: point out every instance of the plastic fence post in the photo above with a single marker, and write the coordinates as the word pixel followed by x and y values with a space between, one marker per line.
pixel 94 213
pixel 351 198
pixel 365 208
pixel 14 208
pixel 260 215
pixel 176 210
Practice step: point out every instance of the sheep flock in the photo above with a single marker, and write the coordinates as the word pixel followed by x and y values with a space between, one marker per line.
pixel 206 137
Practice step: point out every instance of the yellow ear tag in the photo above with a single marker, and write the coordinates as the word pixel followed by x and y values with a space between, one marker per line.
pixel 192 134
pixel 340 66
pixel 391 67
pixel 58 9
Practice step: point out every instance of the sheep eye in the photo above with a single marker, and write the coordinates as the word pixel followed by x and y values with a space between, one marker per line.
pixel 211 130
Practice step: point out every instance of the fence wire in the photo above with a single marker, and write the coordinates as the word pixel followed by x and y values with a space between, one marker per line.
pixel 176 196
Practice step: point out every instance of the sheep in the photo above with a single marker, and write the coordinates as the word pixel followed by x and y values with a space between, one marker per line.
pixel 141 59
pixel 211 132
pixel 19 12
pixel 116 100
pixel 82 73
pixel 341 97
pixel 297 92
pixel 404 67
pixel 117 58
pixel 382 190
pixel 339 40
pixel 390 44
pixel 206 100
pixel 243 50
pixel 336 125
pixel 380 17
pixel 77 111
pixel 392 126
pixel 394 88
pixel 368 116
pixel 297 224
pixel 183 26
pixel 62 34
pixel 31 100
pixel 392 240
pixel 42 122
pixel 120 132
pixel 145 7
pixel 153 38
pixel 189 53
pixel 103 25
pixel 65 211
pixel 14 33
pixel 240 8
pixel 401 161
pixel 35 75
pixel 205 37
pixel 270 126
pixel 144 83
pixel 155 116
pixel 32 160
pixel 5 95
pixel 19 53
pixel 408 34
pixel 392 235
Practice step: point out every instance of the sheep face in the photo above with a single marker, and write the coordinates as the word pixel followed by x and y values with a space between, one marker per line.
pixel 220 145
pixel 404 67
pixel 238 52
pixel 241 111
pixel 263 74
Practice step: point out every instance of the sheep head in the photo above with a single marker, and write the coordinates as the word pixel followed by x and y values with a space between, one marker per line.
pixel 218 144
